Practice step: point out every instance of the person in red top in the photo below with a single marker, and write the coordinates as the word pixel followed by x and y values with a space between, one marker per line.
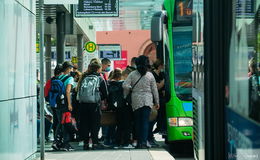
pixel 57 73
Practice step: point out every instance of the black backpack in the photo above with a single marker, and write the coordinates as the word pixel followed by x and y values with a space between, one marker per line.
pixel 116 95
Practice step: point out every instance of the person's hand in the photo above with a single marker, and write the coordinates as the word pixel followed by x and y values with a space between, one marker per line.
pixel 49 117
pixel 163 93
pixel 157 106
pixel 162 82
pixel 70 107
pixel 103 105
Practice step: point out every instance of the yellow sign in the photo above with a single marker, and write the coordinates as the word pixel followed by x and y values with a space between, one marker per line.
pixel 74 60
pixel 90 47
pixel 37 47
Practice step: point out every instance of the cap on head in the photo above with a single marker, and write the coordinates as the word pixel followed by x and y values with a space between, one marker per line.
pixel 58 69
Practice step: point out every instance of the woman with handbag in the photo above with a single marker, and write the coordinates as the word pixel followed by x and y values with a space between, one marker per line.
pixel 142 87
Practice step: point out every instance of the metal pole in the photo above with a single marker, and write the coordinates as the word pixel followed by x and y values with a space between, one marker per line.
pixel 80 50
pixel 48 56
pixel 41 30
pixel 60 43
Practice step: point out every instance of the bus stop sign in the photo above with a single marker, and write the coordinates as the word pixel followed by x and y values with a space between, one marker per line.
pixel 90 47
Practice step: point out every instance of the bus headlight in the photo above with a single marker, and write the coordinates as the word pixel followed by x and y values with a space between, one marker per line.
pixel 185 122
pixel 180 122
pixel 173 122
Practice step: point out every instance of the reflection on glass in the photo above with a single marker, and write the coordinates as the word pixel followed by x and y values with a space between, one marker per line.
pixel 182 41
pixel 244 80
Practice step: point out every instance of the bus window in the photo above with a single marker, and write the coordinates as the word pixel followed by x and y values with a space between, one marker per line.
pixel 182 41
pixel 244 59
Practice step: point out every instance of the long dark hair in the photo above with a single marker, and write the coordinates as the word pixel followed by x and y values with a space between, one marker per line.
pixel 142 64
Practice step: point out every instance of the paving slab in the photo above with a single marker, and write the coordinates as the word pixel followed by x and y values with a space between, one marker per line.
pixel 131 154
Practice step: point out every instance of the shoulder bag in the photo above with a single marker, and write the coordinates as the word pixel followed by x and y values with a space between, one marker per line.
pixel 129 95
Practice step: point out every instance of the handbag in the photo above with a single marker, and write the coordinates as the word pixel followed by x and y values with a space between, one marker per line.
pixel 108 118
pixel 153 114
pixel 129 95
pixel 69 122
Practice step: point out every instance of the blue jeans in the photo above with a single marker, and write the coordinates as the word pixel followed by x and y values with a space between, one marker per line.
pixel 150 130
pixel 141 116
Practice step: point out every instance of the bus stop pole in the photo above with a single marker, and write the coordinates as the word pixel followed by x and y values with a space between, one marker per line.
pixel 41 31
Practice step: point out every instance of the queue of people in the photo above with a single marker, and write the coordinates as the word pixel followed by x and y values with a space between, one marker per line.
pixel 85 96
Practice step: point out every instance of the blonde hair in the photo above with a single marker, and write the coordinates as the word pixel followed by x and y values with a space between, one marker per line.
pixel 97 60
pixel 117 74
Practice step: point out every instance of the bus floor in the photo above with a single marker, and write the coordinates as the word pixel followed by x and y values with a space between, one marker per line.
pixel 160 153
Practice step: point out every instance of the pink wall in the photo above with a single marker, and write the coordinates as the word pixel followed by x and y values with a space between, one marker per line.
pixel 132 41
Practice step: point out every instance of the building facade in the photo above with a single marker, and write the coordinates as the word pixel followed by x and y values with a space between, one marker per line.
pixel 18 97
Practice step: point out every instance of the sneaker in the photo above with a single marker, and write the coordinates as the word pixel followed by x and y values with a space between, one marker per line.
pixel 134 144
pixel 163 133
pixel 156 130
pixel 107 143
pixel 68 148
pixel 81 143
pixel 55 146
pixel 116 147
pixel 101 139
pixel 142 146
pixel 97 146
pixel 152 143
pixel 90 145
pixel 148 144
pixel 128 146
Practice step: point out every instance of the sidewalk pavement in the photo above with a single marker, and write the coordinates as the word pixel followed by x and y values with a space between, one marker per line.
pixel 109 154
pixel 126 154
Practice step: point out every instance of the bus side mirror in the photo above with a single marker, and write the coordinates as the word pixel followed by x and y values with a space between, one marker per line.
pixel 157 26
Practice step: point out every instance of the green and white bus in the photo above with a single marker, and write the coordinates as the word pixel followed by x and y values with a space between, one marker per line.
pixel 171 31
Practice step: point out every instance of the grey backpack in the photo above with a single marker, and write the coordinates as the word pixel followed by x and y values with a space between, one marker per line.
pixel 89 90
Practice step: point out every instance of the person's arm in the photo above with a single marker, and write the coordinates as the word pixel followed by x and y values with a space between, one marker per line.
pixel 160 85
pixel 103 89
pixel 127 84
pixel 68 89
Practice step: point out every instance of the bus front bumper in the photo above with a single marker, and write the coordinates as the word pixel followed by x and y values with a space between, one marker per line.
pixel 179 133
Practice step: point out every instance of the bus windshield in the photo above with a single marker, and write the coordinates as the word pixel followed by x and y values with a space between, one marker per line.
pixel 182 42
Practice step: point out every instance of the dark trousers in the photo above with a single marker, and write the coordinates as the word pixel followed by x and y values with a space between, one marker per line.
pixel 89 121
pixel 55 121
pixel 110 134
pixel 150 131
pixel 61 130
pixel 141 116
pixel 124 120
pixel 57 116
pixel 161 118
